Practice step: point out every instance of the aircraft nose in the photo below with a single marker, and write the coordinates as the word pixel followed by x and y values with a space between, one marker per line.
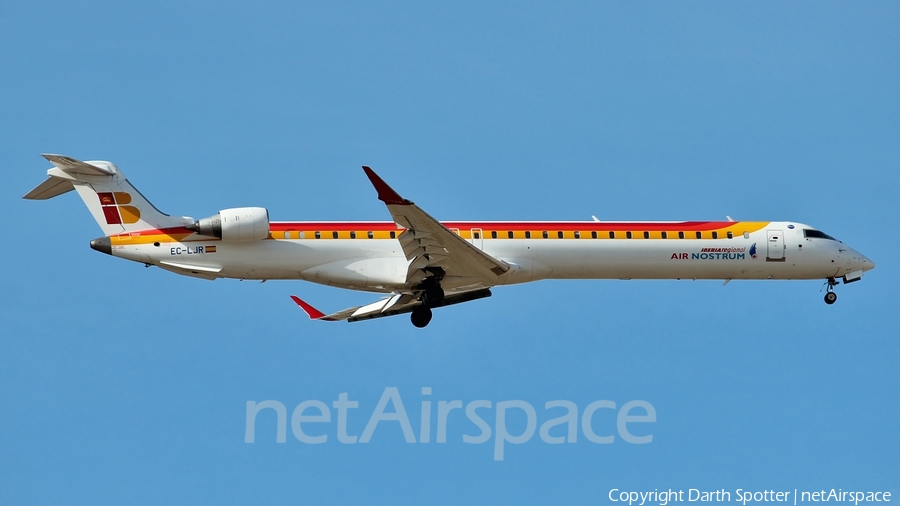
pixel 867 264
pixel 858 261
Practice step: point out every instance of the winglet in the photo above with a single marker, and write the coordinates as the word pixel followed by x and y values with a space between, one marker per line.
pixel 386 194
pixel 314 314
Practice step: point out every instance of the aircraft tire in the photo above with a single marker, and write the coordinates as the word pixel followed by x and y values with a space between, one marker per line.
pixel 830 298
pixel 420 316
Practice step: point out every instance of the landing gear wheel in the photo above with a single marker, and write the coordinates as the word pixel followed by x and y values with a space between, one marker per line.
pixel 434 296
pixel 420 316
pixel 830 296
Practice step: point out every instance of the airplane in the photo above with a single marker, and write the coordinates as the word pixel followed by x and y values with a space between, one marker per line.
pixel 422 264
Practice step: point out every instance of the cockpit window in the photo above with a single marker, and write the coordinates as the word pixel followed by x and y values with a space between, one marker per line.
pixel 816 234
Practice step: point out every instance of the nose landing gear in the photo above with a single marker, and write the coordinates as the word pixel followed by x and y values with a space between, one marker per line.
pixel 830 296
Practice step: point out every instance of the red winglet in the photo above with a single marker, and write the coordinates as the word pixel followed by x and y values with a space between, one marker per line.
pixel 386 194
pixel 314 314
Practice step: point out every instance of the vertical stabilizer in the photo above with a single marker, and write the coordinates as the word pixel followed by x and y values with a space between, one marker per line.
pixel 116 205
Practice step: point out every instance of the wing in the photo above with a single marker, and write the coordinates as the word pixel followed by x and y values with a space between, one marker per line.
pixel 396 304
pixel 432 249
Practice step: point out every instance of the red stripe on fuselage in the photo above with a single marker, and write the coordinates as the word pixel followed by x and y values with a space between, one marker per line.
pixel 687 226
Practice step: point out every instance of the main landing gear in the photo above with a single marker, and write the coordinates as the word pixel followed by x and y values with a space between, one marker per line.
pixel 432 296
pixel 830 296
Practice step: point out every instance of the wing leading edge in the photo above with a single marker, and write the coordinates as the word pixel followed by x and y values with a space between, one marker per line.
pixel 432 249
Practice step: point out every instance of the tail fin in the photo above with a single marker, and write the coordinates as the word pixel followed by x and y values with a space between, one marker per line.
pixel 116 205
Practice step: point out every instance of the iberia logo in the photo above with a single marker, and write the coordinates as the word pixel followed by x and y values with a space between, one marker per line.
pixel 116 209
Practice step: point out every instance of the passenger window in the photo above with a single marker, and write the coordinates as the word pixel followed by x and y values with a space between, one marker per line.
pixel 593 234
pixel 545 234
pixel 665 235
pixel 353 234
pixel 287 235
pixel 577 234
pixel 746 235
pixel 528 234
pixel 303 235
pixel 493 234
pixel 612 235
pixel 370 234
pixel 318 234
pixel 699 235
pixel 715 235
pixel 628 234
pixel 510 234
pixel 393 234
pixel 681 235
pixel 477 235
pixel 559 234
pixel 730 235
pixel 334 234
pixel 646 235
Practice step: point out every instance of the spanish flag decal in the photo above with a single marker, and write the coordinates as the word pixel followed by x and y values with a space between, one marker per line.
pixel 210 249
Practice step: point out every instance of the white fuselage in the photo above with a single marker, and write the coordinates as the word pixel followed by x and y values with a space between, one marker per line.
pixel 774 250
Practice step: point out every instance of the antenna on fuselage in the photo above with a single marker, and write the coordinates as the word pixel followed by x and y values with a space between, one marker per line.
pixel 595 218
pixel 729 218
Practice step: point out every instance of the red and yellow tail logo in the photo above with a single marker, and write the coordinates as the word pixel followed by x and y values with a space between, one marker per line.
pixel 116 209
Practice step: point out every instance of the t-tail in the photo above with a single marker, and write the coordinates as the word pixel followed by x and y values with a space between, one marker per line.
pixel 117 206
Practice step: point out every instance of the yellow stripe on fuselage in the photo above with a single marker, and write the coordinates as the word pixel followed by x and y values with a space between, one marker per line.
pixel 486 231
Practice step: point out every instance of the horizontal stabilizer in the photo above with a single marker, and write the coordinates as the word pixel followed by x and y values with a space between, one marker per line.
pixel 61 182
pixel 50 188
pixel 74 166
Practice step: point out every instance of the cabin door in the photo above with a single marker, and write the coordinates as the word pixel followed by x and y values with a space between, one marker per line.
pixel 775 251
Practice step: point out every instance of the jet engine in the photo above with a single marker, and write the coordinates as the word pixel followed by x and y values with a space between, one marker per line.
pixel 236 224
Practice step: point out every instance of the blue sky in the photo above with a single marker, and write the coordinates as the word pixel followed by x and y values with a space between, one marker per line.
pixel 128 385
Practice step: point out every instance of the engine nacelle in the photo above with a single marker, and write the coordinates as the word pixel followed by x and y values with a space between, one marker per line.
pixel 236 224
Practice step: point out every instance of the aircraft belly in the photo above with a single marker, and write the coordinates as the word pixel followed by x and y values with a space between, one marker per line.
pixel 376 274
